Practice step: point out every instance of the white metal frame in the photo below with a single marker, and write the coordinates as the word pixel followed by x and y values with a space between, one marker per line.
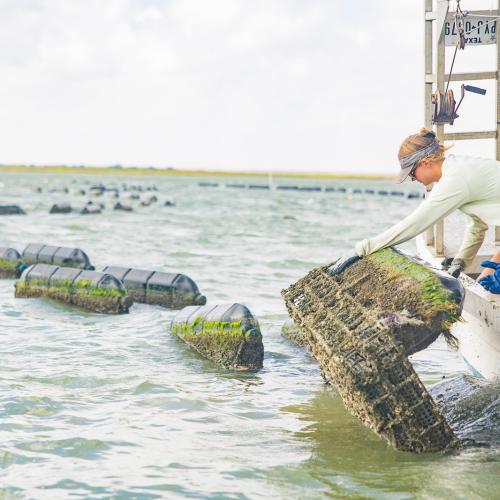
pixel 435 15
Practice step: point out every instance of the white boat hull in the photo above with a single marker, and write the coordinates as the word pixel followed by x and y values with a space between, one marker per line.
pixel 478 333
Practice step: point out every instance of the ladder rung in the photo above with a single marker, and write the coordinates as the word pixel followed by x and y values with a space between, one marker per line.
pixel 463 136
pixel 463 77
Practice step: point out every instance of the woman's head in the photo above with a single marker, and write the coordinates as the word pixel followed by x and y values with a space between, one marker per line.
pixel 421 157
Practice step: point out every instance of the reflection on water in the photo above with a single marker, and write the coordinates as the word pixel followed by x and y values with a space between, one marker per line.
pixel 99 406
pixel 351 461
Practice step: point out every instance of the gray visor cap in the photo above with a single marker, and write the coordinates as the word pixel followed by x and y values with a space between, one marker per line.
pixel 409 162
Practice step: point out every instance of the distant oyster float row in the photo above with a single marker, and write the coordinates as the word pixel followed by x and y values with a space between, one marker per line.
pixel 90 208
pixel 227 334
pixel 411 195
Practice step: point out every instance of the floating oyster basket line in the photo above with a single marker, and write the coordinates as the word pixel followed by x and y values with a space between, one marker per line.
pixel 171 290
pixel 361 326
pixel 10 263
pixel 11 210
pixel 227 334
pixel 91 290
pixel 38 253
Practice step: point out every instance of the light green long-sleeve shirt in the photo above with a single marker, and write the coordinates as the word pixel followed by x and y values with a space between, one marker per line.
pixel 471 185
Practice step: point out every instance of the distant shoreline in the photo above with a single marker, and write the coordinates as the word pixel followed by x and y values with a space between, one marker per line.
pixel 175 172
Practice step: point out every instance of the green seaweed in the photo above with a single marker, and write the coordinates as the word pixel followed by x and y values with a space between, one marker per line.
pixel 221 330
pixel 218 340
pixel 9 265
pixel 81 287
pixel 432 288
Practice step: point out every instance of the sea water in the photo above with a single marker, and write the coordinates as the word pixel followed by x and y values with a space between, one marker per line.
pixel 116 406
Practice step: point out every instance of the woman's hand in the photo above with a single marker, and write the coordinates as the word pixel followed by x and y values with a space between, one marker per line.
pixel 343 263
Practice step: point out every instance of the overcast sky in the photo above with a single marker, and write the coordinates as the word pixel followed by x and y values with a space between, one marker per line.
pixel 291 85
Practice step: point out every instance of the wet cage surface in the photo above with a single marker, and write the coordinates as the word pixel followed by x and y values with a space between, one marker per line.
pixel 98 406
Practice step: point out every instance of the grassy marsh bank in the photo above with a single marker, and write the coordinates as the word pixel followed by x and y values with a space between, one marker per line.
pixel 61 169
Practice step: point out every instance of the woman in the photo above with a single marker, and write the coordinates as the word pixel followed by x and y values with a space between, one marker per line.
pixel 471 185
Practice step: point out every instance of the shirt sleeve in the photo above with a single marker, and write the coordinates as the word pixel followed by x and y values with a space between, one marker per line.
pixel 473 238
pixel 446 196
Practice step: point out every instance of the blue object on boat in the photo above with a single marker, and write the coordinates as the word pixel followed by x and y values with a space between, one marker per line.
pixel 492 281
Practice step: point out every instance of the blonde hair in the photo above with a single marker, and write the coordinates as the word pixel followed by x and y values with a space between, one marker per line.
pixel 416 142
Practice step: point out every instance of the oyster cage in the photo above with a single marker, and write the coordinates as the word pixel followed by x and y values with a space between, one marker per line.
pixel 361 357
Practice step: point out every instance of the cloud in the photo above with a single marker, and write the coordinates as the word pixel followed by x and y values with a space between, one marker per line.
pixel 236 84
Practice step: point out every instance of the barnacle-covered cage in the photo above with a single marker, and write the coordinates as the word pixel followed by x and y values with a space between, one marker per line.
pixel 361 326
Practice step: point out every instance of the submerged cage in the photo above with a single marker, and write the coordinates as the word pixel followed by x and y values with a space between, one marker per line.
pixel 92 290
pixel 227 334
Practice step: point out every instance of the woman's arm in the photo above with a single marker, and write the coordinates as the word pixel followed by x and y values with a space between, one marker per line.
pixel 446 196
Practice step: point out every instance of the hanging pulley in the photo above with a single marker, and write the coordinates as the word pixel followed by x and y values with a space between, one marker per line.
pixel 444 106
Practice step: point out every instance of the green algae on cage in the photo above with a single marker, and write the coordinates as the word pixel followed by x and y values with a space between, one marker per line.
pixel 433 290
pixel 8 269
pixel 361 326
pixel 230 344
pixel 80 293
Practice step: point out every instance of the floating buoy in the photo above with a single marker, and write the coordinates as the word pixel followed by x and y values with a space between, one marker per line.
pixel 10 263
pixel 124 208
pixel 149 200
pixel 414 196
pixel 91 290
pixel 37 253
pixel 227 334
pixel 258 186
pixel 60 208
pixel 171 290
pixel 11 210
pixel 91 210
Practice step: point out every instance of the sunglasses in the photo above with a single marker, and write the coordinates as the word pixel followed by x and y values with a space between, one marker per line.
pixel 411 175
